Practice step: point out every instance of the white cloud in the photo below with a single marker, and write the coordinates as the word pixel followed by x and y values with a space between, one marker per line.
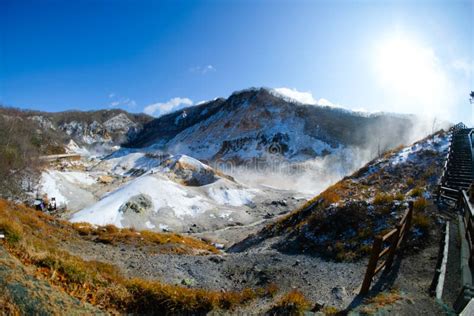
pixel 302 97
pixel 325 102
pixel 202 69
pixel 158 109
pixel 123 102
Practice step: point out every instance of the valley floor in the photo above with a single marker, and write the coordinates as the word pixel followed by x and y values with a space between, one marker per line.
pixel 192 262
pixel 323 282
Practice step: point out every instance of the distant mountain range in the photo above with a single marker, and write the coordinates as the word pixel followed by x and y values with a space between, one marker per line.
pixel 57 129
pixel 260 123
pixel 256 123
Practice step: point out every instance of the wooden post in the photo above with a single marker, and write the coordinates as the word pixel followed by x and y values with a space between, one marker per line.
pixel 369 274
pixel 410 216
pixel 393 247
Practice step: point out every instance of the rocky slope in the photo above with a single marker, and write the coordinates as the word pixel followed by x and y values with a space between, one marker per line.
pixel 84 128
pixel 260 124
pixel 159 192
pixel 286 251
pixel 341 222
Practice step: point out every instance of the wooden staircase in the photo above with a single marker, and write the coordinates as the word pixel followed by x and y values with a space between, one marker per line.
pixel 458 171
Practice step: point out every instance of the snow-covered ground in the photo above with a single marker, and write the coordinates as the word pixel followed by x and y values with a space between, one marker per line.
pixel 170 203
pixel 70 188
pixel 149 191
pixel 437 143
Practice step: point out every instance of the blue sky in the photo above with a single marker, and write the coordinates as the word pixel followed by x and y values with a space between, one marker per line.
pixel 401 56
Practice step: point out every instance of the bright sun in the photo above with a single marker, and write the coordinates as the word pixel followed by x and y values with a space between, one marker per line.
pixel 409 70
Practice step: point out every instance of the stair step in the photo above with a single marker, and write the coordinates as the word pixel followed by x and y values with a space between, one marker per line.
pixel 464 178
pixel 458 182
pixel 460 174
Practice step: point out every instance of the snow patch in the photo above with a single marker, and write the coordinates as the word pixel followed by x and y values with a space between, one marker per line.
pixel 437 143
pixel 50 185
pixel 233 197
pixel 81 178
pixel 149 225
pixel 165 194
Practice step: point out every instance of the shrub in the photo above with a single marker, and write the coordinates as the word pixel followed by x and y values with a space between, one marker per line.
pixel 293 303
pixel 416 192
pixel 346 256
pixel 271 289
pixel 73 270
pixel 430 172
pixel 421 221
pixel 330 197
pixel 13 231
pixel 380 300
pixel 419 205
pixel 399 196
pixel 330 310
pixel 382 198
pixel 83 228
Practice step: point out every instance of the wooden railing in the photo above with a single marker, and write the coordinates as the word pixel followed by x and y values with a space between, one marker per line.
pixel 467 212
pixel 394 239
pixel 445 192
pixel 467 252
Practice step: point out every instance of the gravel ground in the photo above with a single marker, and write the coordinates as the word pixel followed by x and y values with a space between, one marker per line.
pixel 322 281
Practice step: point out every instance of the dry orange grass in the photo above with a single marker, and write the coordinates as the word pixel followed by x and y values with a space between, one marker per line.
pixel 34 238
pixel 420 205
pixel 383 198
pixel 15 218
pixel 7 305
pixel 334 194
pixel 112 235
pixel 293 303
pixel 380 300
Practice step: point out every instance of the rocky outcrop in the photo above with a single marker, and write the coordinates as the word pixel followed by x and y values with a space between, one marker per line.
pixel 111 127
pixel 140 204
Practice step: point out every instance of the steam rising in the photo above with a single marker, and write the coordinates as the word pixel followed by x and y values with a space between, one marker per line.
pixel 313 176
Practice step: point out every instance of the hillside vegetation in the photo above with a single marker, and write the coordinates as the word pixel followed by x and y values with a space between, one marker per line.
pixel 38 241
pixel 25 135
pixel 21 144
pixel 341 222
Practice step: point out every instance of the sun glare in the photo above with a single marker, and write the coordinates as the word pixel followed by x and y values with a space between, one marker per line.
pixel 408 70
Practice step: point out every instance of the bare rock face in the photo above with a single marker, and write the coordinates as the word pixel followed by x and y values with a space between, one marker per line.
pixel 87 128
pixel 138 204
pixel 119 122
pixel 189 171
